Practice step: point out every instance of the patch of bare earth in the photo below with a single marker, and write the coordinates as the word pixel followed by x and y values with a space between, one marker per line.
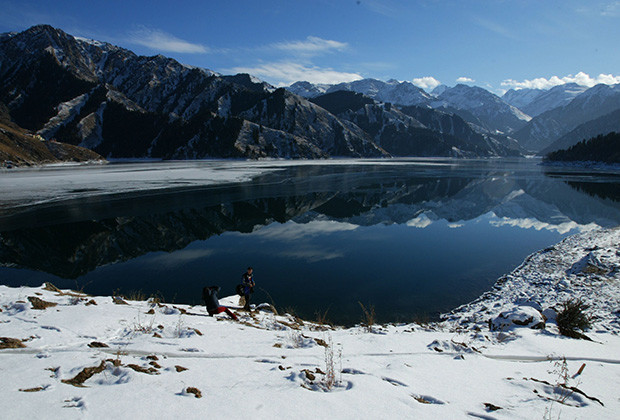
pixel 195 391
pixel 40 304
pixel 11 343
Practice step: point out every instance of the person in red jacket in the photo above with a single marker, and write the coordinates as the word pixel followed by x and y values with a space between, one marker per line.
pixel 209 295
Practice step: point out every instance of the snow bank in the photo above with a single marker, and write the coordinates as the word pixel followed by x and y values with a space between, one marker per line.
pixel 103 357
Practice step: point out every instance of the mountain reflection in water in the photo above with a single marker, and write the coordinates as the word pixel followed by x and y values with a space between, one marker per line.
pixel 411 239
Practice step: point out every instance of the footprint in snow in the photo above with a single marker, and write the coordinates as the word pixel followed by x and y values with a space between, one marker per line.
pixel 51 328
pixel 426 399
pixel 394 381
pixel 75 402
pixel 352 371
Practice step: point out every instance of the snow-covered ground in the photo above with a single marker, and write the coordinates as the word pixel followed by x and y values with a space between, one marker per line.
pixel 96 357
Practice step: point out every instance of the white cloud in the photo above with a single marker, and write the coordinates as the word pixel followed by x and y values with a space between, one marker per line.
pixel 464 79
pixel 580 78
pixel 427 82
pixel 420 222
pixel 530 223
pixel 311 254
pixel 612 9
pixel 161 41
pixel 311 45
pixel 294 232
pixel 284 73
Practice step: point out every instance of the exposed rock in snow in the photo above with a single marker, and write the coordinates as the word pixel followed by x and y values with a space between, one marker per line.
pixel 520 316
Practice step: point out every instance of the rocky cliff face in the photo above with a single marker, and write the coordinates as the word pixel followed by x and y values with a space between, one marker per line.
pixel 18 147
pixel 413 131
pixel 123 105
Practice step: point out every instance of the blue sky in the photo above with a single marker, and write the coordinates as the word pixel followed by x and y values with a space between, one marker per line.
pixel 496 44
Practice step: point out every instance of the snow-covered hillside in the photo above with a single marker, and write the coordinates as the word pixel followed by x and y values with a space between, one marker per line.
pixel 67 355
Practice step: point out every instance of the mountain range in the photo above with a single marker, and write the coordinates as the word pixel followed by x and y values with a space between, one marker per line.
pixel 537 120
pixel 118 104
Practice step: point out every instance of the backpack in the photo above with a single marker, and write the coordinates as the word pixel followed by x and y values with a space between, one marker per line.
pixel 241 290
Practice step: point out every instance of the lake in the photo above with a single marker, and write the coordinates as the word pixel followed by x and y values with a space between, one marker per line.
pixel 411 238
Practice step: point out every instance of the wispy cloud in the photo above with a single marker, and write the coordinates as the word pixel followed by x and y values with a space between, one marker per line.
pixel 427 82
pixel 284 73
pixel 386 8
pixel 611 9
pixel 580 78
pixel 494 27
pixel 529 223
pixel 293 232
pixel 312 254
pixel 181 257
pixel 310 46
pixel 464 79
pixel 158 40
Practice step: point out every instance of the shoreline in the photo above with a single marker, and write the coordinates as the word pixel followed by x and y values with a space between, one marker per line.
pixel 76 353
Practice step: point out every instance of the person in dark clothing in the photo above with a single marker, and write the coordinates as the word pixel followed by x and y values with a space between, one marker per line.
pixel 209 295
pixel 248 286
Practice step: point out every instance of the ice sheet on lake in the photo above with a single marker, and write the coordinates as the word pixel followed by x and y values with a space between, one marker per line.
pixel 62 182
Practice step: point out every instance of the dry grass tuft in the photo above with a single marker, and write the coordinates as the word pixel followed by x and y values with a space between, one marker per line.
pixel 180 368
pixel 86 373
pixel 148 371
pixel 369 316
pixel 11 343
pixel 50 287
pixel 321 342
pixel 39 303
pixel 118 300
pixel 36 389
pixel 195 391
pixel 91 302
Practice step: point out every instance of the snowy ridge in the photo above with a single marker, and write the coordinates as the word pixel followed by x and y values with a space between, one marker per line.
pixel 552 276
pixel 549 126
pixel 392 91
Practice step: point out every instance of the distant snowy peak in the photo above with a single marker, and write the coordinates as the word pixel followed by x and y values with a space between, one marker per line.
pixel 439 90
pixel 307 89
pixel 521 97
pixel 555 97
pixel 549 126
pixel 496 114
pixel 392 91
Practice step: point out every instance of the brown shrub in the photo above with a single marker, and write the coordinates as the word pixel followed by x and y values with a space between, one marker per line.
pixel 39 303
pixel 86 373
pixel 195 391
pixel 11 343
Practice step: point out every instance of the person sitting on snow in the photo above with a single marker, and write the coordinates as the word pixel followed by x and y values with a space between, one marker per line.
pixel 209 295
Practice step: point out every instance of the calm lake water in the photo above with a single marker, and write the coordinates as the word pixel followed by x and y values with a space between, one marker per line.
pixel 411 238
